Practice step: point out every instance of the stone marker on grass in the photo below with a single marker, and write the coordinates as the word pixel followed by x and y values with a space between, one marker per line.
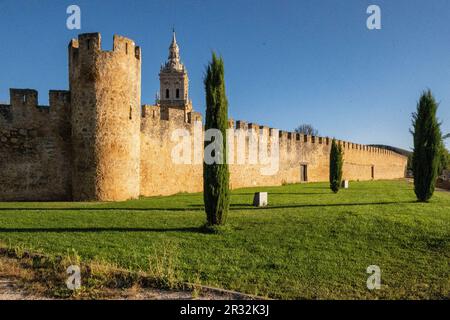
pixel 260 199
pixel 345 184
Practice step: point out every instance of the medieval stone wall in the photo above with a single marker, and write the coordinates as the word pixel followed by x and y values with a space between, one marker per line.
pixel 161 176
pixel 105 91
pixel 37 153
pixel 35 147
pixel 96 142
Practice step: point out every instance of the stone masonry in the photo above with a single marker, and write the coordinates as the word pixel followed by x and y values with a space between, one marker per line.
pixel 97 142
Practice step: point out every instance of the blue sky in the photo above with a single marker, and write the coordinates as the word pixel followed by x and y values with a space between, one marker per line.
pixel 286 62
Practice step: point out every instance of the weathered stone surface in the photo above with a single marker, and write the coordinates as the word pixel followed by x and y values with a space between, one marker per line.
pixel 32 167
pixel 105 99
pixel 260 199
pixel 92 143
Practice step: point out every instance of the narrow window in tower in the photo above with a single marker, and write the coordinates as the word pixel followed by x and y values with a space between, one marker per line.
pixel 167 93
pixel 126 48
pixel 178 93
pixel 24 99
pixel 131 112
pixel 89 44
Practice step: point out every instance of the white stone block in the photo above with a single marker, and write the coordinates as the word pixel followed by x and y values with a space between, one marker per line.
pixel 345 184
pixel 260 199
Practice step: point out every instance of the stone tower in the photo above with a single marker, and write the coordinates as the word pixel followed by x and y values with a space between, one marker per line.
pixel 174 83
pixel 105 90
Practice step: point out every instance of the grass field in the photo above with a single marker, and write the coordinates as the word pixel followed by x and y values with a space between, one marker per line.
pixel 309 243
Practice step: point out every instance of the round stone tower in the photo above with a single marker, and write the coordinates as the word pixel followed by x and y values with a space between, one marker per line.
pixel 105 90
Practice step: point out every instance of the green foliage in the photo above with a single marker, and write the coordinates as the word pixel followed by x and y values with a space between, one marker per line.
pixel 427 147
pixel 308 244
pixel 216 176
pixel 307 129
pixel 444 159
pixel 409 163
pixel 444 163
pixel 336 163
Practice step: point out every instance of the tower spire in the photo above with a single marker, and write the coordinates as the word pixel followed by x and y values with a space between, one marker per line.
pixel 174 81
pixel 173 61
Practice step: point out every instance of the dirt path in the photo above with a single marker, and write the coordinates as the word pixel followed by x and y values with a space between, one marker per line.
pixel 10 291
pixel 17 283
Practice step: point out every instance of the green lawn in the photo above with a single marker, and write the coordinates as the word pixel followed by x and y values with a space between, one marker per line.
pixel 309 243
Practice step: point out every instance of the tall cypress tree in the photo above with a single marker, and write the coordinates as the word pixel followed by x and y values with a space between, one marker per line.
pixel 427 146
pixel 216 176
pixel 336 163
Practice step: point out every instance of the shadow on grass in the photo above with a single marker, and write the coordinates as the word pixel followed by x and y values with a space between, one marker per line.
pixel 246 206
pixel 200 207
pixel 97 209
pixel 284 193
pixel 100 229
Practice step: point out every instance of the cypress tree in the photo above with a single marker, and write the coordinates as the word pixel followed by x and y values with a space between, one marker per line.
pixel 216 194
pixel 336 163
pixel 427 146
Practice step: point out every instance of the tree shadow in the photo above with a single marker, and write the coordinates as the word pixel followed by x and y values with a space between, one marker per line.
pixel 284 193
pixel 201 207
pixel 95 209
pixel 100 229
pixel 247 206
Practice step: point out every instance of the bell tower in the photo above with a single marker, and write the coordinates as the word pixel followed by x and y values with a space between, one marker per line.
pixel 174 82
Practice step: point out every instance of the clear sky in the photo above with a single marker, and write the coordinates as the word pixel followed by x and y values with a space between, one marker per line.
pixel 286 62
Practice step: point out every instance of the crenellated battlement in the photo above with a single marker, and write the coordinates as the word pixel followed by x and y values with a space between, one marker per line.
pixel 23 97
pixel 29 98
pixel 34 146
pixel 155 115
pixel 59 97
pixel 302 139
pixel 24 107
pixel 96 141
pixel 90 44
pixel 105 88
pixel 86 56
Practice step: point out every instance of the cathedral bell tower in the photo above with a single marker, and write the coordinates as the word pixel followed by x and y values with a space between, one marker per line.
pixel 174 82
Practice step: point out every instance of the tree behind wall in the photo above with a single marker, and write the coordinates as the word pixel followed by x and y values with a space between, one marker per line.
pixel 307 129
pixel 336 163
pixel 427 146
pixel 216 192
pixel 444 163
